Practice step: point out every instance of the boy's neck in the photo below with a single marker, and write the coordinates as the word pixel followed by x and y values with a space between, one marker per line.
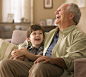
pixel 36 46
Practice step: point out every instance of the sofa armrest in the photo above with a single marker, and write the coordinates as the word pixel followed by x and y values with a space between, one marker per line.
pixel 80 67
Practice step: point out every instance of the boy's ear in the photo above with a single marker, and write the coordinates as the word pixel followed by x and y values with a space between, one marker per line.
pixel 28 39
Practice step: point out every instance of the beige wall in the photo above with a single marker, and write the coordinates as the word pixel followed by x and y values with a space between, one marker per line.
pixel 0 10
pixel 82 23
pixel 39 12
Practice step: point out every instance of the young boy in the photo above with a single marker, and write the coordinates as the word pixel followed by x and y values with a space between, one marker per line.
pixel 35 34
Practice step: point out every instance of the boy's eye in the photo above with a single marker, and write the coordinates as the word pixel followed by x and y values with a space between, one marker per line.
pixel 34 33
pixel 40 33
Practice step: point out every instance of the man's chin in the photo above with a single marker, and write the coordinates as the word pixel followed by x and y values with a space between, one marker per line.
pixel 57 22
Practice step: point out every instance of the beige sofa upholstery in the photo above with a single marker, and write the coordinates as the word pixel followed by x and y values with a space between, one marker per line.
pixel 79 64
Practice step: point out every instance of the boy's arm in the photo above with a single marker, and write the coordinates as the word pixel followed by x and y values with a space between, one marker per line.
pixel 26 59
pixel 32 56
pixel 24 51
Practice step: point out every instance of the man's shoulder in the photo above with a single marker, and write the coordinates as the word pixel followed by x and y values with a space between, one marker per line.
pixel 79 33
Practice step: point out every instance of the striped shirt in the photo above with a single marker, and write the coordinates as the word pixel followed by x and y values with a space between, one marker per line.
pixel 34 50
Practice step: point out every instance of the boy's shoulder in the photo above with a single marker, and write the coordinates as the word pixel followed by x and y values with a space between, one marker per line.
pixel 28 46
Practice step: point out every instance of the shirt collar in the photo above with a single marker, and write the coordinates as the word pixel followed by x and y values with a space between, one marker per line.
pixel 35 47
pixel 68 30
pixel 31 47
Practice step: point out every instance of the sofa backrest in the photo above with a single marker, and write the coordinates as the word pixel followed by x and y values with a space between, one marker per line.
pixel 18 36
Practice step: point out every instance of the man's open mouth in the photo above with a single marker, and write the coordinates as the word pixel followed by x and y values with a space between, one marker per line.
pixel 58 17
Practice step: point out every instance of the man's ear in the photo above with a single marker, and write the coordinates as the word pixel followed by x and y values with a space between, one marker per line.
pixel 71 16
pixel 28 39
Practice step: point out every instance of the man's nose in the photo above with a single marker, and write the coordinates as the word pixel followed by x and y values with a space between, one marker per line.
pixel 56 12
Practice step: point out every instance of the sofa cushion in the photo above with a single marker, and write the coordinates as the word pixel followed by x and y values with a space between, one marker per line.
pixel 6 48
pixel 80 67
pixel 18 37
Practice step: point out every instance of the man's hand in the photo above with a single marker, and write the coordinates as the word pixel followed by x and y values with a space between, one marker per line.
pixel 57 61
pixel 45 59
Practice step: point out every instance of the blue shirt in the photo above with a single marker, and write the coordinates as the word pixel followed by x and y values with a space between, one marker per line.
pixel 54 41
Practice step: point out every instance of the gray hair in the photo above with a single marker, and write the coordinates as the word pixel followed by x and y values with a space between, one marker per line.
pixel 73 8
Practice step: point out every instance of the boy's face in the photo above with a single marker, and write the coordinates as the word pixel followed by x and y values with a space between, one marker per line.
pixel 36 38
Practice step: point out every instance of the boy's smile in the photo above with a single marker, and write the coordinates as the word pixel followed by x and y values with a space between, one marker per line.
pixel 37 39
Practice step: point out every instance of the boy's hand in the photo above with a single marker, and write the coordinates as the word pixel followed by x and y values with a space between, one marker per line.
pixel 12 57
pixel 21 58
pixel 13 52
pixel 19 52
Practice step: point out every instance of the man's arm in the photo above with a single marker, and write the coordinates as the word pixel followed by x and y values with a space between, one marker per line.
pixel 60 62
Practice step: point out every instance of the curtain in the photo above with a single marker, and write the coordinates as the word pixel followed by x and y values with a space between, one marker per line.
pixel 19 8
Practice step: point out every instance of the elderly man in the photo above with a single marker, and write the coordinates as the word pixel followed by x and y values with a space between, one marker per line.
pixel 61 46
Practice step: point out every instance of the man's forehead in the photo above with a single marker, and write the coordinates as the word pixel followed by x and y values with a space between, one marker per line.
pixel 63 6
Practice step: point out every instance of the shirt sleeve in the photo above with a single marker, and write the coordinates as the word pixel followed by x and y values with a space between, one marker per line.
pixel 76 50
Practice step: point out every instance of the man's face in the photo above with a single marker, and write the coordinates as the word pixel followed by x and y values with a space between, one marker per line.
pixel 62 15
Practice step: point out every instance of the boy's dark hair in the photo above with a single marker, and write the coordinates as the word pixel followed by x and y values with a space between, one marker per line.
pixel 34 28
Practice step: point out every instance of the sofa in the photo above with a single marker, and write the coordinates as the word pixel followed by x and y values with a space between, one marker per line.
pixel 8 45
pixel 19 36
